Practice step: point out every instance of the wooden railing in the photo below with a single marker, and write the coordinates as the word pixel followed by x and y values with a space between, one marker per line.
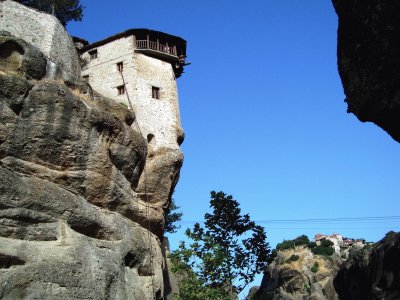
pixel 145 44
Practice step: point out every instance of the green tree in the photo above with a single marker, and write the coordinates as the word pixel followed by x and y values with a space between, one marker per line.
pixel 324 249
pixel 226 253
pixel 64 10
pixel 290 244
pixel 315 267
pixel 172 217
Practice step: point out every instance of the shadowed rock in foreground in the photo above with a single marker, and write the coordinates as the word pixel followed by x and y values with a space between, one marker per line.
pixel 369 64
pixel 372 273
pixel 369 60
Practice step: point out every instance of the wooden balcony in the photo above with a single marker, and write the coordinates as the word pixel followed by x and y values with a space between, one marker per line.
pixel 157 49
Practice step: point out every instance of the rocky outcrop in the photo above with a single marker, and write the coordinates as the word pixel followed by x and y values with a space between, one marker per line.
pixel 372 273
pixel 290 277
pixel 369 60
pixel 43 31
pixel 74 223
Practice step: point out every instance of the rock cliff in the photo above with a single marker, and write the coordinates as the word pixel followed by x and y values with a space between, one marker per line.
pixel 372 273
pixel 299 274
pixel 368 60
pixel 74 223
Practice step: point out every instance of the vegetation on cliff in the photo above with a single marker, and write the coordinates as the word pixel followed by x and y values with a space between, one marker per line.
pixel 290 244
pixel 64 10
pixel 172 217
pixel 324 248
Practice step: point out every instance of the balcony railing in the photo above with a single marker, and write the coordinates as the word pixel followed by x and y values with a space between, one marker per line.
pixel 147 44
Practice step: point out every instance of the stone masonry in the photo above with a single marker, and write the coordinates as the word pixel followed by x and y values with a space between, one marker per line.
pixel 157 117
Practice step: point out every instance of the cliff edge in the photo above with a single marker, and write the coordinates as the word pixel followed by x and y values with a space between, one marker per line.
pixel 73 220
pixel 368 60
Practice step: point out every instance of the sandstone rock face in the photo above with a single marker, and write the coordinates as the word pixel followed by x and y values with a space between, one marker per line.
pixel 369 60
pixel 73 224
pixel 372 273
pixel 294 280
pixel 45 32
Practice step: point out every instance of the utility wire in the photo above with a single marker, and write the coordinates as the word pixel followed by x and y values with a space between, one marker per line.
pixel 321 220
pixel 332 228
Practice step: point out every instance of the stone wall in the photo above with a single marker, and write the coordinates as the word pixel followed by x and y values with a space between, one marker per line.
pixel 43 31
pixel 157 117
pixel 102 71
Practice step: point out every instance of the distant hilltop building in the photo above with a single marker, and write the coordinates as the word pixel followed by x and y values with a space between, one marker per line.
pixel 138 68
pixel 341 244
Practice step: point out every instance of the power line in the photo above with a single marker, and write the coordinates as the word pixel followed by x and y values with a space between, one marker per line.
pixel 320 220
pixel 352 219
pixel 331 228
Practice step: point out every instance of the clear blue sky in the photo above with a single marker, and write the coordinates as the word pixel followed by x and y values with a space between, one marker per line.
pixel 263 111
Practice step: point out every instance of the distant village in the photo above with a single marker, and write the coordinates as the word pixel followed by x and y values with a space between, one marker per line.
pixel 341 245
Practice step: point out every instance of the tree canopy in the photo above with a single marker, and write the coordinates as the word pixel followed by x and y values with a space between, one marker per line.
pixel 225 255
pixel 64 10
pixel 289 244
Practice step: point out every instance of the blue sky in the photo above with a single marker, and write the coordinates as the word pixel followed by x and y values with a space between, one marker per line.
pixel 263 111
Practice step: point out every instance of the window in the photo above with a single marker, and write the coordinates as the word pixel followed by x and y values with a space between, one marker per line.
pixel 155 92
pixel 150 138
pixel 120 66
pixel 93 54
pixel 121 89
pixel 86 78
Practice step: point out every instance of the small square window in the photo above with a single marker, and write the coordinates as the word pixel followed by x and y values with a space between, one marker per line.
pixel 86 78
pixel 121 89
pixel 155 92
pixel 93 54
pixel 120 66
